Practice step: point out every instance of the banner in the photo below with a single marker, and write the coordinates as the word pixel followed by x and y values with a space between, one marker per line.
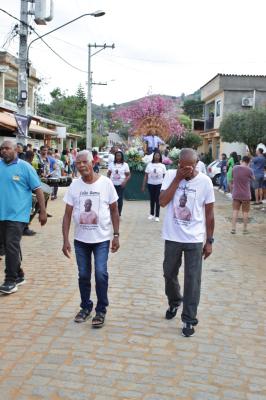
pixel 23 123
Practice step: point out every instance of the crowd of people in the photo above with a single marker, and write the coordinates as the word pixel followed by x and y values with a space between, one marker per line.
pixel 240 177
pixel 95 202
pixel 50 166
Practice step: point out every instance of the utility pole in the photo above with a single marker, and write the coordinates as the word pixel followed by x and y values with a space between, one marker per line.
pixel 89 105
pixel 22 100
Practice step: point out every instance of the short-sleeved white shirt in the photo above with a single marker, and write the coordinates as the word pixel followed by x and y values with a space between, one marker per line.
pixel 184 221
pixel 118 172
pixel 95 225
pixel 111 158
pixel 156 172
pixel 200 167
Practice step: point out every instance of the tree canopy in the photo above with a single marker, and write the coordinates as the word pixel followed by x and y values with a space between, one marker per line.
pixel 189 139
pixel 151 114
pixel 72 111
pixel 193 108
pixel 246 127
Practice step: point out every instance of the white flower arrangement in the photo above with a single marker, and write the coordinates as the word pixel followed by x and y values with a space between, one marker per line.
pixel 174 155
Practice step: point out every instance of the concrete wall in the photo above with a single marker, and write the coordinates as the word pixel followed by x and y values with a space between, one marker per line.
pixel 210 89
pixel 227 148
pixel 242 82
pixel 233 100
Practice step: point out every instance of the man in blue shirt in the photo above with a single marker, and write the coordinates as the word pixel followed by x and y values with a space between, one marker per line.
pixel 17 181
pixel 257 165
pixel 153 142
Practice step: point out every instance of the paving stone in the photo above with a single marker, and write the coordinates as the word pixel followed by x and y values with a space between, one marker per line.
pixel 138 354
pixel 205 396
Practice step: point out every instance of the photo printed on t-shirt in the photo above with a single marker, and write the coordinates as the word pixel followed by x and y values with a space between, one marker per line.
pixel 89 206
pixel 184 201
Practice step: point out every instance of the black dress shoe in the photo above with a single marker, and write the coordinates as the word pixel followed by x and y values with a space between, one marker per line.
pixel 28 232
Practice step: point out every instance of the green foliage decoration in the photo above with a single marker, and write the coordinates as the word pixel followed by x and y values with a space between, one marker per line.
pixel 134 160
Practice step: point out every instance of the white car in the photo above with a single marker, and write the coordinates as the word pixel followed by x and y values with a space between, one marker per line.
pixel 214 172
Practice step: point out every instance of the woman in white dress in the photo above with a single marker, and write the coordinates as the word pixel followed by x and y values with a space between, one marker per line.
pixel 154 175
pixel 119 173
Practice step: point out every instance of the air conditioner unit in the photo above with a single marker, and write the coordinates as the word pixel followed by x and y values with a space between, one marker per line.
pixel 247 101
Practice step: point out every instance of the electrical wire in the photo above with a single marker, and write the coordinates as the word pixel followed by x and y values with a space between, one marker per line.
pixel 51 116
pixel 55 52
pixel 58 55
pixel 8 36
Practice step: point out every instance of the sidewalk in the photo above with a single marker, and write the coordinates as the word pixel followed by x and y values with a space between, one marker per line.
pixel 138 354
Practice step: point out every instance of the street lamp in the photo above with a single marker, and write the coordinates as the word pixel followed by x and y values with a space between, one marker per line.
pixel 96 14
pixel 24 56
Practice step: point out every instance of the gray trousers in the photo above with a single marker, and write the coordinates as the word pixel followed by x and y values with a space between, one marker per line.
pixel 173 252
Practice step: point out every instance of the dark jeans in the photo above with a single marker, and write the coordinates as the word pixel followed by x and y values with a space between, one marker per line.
pixel 120 193
pixel 151 150
pixel 154 191
pixel 54 191
pixel 10 237
pixel 83 255
pixel 192 277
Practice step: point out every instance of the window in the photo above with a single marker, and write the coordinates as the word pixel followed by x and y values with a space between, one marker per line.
pixel 218 108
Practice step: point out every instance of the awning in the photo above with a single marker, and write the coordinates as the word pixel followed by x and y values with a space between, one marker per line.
pixel 40 129
pixel 8 121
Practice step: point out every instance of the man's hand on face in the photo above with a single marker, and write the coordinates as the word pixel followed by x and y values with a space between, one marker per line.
pixel 184 172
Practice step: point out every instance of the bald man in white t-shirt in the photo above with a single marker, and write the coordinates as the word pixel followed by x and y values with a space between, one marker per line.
pixel 189 221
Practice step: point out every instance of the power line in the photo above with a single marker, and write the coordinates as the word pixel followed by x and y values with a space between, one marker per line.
pixel 44 114
pixel 58 55
pixel 55 52
pixel 10 36
pixel 12 16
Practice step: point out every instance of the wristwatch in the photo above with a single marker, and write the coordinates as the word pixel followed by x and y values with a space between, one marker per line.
pixel 210 240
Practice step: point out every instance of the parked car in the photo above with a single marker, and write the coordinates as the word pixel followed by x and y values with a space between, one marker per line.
pixel 214 172
pixel 104 159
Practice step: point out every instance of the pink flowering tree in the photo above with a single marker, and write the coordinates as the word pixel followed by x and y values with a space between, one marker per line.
pixel 152 114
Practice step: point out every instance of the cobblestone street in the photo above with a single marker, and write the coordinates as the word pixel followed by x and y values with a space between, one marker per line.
pixel 137 354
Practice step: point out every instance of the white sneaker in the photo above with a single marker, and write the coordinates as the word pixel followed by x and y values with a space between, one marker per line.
pixel 229 195
pixel 157 219
pixel 151 217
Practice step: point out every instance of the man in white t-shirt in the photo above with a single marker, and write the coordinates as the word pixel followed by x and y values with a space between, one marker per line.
pixel 201 167
pixel 92 200
pixel 189 221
